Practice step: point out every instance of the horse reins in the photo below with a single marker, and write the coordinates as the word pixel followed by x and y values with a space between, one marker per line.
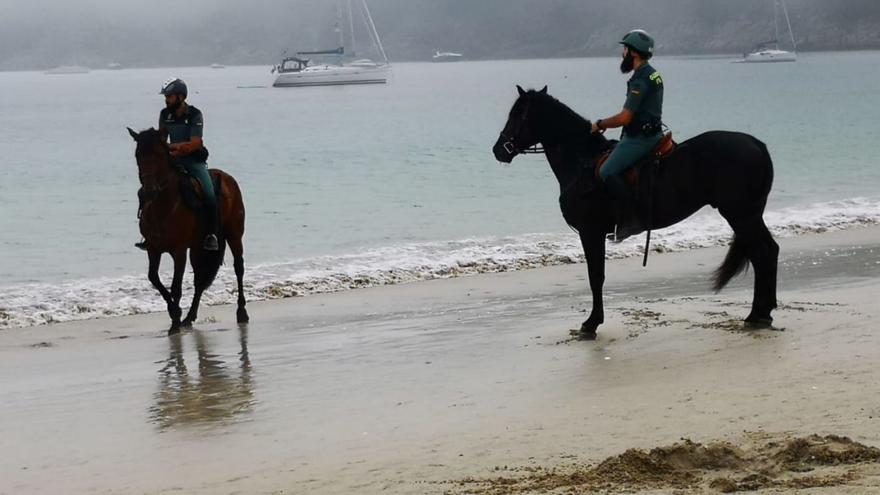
pixel 160 186
pixel 511 147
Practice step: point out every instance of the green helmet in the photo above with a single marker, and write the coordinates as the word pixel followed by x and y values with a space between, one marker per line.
pixel 639 41
pixel 173 86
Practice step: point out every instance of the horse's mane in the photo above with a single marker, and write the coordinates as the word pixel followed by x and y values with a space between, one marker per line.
pixel 148 135
pixel 564 121
pixel 148 139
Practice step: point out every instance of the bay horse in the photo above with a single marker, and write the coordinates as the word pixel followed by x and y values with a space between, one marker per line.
pixel 730 171
pixel 169 226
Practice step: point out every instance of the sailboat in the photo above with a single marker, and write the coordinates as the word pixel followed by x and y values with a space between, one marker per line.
pixel 769 51
pixel 446 57
pixel 336 67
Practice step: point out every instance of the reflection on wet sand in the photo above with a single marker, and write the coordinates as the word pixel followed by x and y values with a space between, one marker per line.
pixel 214 393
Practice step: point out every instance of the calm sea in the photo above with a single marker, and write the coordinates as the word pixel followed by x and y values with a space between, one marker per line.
pixel 354 186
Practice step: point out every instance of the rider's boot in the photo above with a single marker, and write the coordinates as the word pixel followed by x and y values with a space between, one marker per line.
pixel 211 221
pixel 627 221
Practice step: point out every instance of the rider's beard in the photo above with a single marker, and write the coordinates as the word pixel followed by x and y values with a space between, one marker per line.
pixel 627 64
pixel 173 106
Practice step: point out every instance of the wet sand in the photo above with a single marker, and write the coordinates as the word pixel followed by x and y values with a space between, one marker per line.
pixel 418 388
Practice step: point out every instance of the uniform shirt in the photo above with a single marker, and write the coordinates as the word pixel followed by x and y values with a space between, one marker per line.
pixel 183 128
pixel 644 97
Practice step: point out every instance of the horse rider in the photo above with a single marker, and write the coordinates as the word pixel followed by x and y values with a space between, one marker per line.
pixel 642 126
pixel 184 124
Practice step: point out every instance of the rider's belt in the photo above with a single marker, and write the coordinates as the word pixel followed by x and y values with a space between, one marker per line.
pixel 643 129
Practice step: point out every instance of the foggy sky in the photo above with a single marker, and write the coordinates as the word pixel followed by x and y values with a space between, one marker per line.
pixel 37 34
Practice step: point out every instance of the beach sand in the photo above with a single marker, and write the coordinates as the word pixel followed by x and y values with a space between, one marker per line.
pixel 468 385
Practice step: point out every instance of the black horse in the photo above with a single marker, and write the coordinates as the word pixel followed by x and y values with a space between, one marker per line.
pixel 730 171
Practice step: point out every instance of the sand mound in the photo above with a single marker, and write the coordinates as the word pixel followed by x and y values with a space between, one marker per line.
pixel 761 462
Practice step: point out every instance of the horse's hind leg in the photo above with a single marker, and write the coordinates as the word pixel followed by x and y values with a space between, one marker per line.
pixel 763 252
pixel 237 249
pixel 764 255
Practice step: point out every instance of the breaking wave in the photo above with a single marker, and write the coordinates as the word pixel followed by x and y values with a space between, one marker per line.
pixel 36 304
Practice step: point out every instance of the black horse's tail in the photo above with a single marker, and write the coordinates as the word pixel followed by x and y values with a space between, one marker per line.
pixel 768 177
pixel 737 259
pixel 734 263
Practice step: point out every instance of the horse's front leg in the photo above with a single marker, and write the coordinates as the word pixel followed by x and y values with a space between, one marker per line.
pixel 153 275
pixel 594 250
pixel 176 289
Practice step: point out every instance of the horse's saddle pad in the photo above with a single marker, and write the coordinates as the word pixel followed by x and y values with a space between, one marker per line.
pixel 191 190
pixel 663 148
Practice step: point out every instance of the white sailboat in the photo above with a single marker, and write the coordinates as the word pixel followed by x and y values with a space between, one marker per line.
pixel 335 70
pixel 446 57
pixel 769 51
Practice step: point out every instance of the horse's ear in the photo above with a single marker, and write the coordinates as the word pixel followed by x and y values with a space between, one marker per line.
pixel 543 90
pixel 521 91
pixel 134 135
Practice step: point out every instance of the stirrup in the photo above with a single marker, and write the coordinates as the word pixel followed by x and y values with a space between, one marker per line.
pixel 613 236
pixel 142 244
pixel 619 235
pixel 211 243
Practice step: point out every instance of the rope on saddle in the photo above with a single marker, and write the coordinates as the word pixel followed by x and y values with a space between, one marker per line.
pixel 649 216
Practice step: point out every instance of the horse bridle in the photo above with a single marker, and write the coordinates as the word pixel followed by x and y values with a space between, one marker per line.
pixel 160 186
pixel 510 145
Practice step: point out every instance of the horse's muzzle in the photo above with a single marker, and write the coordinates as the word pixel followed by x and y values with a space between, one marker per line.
pixel 503 151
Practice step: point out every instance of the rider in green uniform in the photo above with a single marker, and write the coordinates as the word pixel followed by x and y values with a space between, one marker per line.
pixel 641 122
pixel 184 124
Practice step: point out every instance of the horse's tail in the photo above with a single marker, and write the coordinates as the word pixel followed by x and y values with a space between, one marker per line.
pixel 734 263
pixel 768 183
pixel 214 259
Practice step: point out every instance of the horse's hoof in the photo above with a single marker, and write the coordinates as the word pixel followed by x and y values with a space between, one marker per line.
pixel 187 323
pixel 242 316
pixel 582 335
pixel 590 326
pixel 752 323
pixel 174 330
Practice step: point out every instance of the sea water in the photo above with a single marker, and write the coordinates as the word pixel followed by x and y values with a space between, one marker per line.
pixel 355 186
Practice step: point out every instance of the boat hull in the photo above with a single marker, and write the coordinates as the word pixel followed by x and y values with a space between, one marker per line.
pixel 769 56
pixel 332 76
pixel 440 59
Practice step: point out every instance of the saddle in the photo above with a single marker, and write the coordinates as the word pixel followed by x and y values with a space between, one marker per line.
pixel 191 190
pixel 663 148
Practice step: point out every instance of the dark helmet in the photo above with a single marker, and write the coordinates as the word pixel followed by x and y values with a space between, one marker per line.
pixel 639 41
pixel 173 86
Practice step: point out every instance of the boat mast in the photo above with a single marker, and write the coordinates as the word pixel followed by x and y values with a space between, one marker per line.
pixel 776 21
pixel 351 29
pixel 338 27
pixel 373 31
pixel 790 32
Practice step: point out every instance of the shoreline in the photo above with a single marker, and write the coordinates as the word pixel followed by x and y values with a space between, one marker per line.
pixel 404 388
pixel 35 304
pixel 609 55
